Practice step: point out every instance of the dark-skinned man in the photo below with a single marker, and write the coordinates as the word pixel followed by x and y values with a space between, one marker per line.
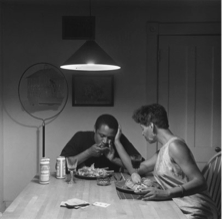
pixel 98 147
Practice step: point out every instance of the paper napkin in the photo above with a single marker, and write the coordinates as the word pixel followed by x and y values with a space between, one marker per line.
pixel 74 203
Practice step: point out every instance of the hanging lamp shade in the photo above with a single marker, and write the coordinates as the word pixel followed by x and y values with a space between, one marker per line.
pixel 90 57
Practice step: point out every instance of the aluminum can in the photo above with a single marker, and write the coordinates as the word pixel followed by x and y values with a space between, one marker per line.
pixel 60 168
pixel 44 171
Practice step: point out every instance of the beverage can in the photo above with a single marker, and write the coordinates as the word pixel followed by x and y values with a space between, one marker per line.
pixel 44 171
pixel 60 167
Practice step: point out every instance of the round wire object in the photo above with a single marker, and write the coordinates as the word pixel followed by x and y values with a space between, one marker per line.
pixel 43 92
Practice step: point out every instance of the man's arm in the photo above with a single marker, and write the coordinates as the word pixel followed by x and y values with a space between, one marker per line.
pixel 125 159
pixel 145 167
pixel 117 161
pixel 81 157
pixel 76 148
pixel 94 151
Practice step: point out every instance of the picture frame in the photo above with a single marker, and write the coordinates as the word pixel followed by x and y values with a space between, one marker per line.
pixel 92 90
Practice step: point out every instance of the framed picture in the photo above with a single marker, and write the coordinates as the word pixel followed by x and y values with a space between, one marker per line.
pixel 92 90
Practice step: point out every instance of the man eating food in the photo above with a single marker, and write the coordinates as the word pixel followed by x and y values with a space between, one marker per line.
pixel 98 147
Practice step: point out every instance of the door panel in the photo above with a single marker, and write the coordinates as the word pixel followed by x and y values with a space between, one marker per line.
pixel 189 88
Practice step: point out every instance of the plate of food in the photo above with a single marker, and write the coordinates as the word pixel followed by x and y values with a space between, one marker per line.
pixel 129 186
pixel 92 173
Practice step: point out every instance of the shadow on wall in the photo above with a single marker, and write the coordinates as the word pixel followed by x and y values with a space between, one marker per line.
pixel 38 145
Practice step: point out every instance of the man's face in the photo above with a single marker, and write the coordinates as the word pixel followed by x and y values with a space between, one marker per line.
pixel 104 134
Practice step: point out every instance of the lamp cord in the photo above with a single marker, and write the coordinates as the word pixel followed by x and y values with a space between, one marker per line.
pixel 90 8
pixel 90 19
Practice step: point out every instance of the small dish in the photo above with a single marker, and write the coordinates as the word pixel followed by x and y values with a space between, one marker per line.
pixel 103 180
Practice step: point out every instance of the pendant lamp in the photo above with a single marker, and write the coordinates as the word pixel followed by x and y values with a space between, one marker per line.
pixel 90 57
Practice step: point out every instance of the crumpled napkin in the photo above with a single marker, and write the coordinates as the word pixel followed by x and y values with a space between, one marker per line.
pixel 74 203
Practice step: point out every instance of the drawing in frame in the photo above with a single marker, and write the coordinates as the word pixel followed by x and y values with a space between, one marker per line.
pixel 92 90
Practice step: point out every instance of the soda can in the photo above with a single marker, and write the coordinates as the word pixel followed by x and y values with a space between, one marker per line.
pixel 44 171
pixel 60 167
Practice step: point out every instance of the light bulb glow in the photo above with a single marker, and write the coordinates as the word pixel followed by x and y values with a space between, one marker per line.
pixel 90 67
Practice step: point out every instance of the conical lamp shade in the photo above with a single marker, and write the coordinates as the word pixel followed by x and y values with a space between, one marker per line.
pixel 90 57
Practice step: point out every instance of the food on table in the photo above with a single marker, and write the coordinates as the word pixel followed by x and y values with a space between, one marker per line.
pixel 93 172
pixel 145 184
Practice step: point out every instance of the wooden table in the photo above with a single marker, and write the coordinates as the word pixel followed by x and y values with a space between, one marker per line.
pixel 43 201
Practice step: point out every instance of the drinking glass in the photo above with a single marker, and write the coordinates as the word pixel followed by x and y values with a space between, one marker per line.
pixel 103 180
pixel 136 160
pixel 71 165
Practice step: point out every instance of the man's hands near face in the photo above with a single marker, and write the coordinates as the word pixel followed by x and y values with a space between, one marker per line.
pixel 110 152
pixel 98 150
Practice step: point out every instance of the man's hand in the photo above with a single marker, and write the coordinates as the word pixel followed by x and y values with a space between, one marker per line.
pixel 96 150
pixel 118 134
pixel 135 177
pixel 110 152
pixel 154 194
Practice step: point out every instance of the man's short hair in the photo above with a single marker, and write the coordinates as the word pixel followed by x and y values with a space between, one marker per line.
pixel 154 113
pixel 108 120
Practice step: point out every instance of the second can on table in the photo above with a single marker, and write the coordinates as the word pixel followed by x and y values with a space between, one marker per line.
pixel 60 167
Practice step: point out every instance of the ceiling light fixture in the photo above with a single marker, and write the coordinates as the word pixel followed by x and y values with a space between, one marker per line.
pixel 90 57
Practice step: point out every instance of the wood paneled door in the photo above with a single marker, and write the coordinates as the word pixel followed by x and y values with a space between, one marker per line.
pixel 187 79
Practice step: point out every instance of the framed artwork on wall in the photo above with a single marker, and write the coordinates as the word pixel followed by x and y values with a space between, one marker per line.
pixel 92 90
